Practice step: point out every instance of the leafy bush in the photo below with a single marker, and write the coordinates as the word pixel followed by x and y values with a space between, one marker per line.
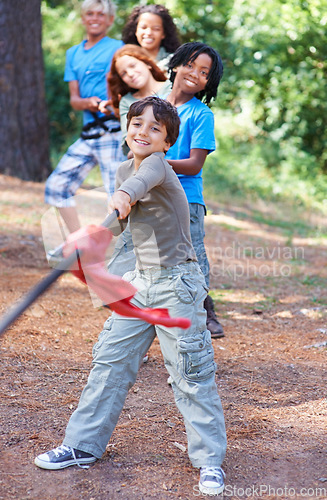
pixel 61 29
pixel 279 64
pixel 261 168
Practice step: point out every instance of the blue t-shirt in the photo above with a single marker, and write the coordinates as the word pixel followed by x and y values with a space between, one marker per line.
pixel 196 131
pixel 89 68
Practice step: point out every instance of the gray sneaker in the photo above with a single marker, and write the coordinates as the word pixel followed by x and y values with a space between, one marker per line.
pixel 62 457
pixel 211 480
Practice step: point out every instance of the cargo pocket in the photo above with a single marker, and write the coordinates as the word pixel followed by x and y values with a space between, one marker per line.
pixel 129 276
pixel 197 357
pixel 185 289
pixel 102 337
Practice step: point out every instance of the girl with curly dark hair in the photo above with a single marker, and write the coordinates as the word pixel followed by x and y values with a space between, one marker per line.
pixel 152 27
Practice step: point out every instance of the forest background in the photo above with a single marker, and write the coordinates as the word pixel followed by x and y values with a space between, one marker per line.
pixel 271 110
pixel 270 113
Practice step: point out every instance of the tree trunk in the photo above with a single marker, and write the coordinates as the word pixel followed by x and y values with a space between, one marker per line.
pixel 24 134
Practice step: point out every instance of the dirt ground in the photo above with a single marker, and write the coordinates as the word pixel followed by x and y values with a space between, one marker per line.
pixel 269 286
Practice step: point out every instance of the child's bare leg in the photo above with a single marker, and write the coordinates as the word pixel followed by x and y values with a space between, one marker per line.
pixel 70 217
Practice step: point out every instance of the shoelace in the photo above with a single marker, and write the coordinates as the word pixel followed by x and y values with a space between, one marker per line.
pixel 62 449
pixel 213 471
pixel 76 461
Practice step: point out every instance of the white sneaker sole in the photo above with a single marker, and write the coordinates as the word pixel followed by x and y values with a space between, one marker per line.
pixel 211 491
pixel 62 465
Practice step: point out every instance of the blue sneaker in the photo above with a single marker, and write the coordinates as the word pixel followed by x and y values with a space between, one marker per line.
pixel 62 457
pixel 211 480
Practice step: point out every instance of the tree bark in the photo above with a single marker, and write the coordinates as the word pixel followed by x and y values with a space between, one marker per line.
pixel 24 132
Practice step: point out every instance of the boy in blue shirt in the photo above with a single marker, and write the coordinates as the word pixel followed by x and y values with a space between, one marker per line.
pixel 86 67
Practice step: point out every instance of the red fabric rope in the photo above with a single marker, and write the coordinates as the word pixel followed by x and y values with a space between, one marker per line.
pixel 92 242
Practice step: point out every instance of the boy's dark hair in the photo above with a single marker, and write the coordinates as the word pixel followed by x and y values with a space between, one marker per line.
pixel 163 111
pixel 188 53
pixel 171 40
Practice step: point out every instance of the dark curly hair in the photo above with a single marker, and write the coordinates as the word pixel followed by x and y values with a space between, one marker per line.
pixel 117 87
pixel 188 52
pixel 163 111
pixel 171 40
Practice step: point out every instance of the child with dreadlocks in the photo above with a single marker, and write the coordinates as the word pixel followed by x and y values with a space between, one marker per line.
pixel 195 71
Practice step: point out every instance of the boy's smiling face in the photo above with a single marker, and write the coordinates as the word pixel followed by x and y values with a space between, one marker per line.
pixel 96 22
pixel 145 135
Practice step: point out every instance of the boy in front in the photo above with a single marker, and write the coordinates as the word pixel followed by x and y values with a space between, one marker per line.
pixel 167 275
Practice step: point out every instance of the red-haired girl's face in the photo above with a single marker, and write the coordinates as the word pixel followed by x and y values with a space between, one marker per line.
pixel 133 72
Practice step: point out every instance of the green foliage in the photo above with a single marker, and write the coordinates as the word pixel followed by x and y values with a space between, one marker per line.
pixel 61 29
pixel 261 168
pixel 271 112
pixel 279 55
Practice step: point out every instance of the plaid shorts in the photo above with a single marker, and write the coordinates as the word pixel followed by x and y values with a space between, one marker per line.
pixel 76 164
